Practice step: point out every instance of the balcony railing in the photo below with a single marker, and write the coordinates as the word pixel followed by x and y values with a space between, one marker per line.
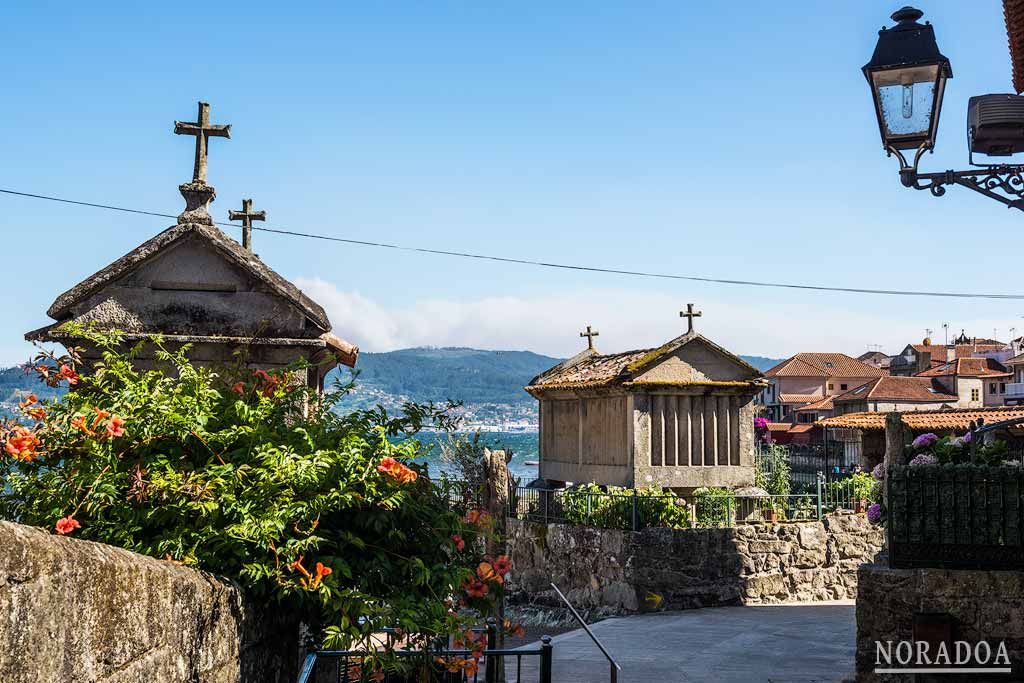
pixel 1015 390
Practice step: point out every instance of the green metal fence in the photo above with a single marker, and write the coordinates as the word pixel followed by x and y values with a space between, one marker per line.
pixel 958 517
pixel 633 510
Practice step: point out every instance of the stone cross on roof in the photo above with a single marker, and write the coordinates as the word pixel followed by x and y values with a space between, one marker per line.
pixel 690 314
pixel 202 129
pixel 590 334
pixel 247 216
pixel 198 194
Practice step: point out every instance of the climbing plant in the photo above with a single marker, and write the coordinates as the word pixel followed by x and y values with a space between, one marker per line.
pixel 251 475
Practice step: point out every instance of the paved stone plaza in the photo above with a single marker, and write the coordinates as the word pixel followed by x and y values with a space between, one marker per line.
pixel 788 643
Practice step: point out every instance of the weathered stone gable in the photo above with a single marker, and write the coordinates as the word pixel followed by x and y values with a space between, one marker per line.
pixel 696 362
pixel 74 612
pixel 190 288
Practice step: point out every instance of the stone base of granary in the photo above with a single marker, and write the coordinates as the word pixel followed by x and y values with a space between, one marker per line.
pixel 609 571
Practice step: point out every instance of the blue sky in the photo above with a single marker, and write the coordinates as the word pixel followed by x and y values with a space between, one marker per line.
pixel 730 140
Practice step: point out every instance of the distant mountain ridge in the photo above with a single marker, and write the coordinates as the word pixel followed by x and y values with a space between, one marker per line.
pixel 472 376
pixel 457 373
pixel 489 383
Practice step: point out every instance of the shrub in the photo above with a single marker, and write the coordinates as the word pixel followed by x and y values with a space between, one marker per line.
pixel 858 486
pixel 714 506
pixel 613 508
pixel 251 475
pixel 772 470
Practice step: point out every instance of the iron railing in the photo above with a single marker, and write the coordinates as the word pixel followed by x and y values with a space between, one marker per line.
pixel 613 666
pixel 956 517
pixel 633 510
pixel 805 462
pixel 495 665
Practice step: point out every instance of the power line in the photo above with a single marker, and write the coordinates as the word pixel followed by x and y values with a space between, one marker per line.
pixel 545 264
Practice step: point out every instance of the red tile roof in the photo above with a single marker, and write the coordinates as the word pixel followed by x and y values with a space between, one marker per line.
pixel 802 427
pixel 940 353
pixel 799 398
pixel 1013 12
pixel 823 365
pixel 956 419
pixel 822 405
pixel 968 367
pixel 901 389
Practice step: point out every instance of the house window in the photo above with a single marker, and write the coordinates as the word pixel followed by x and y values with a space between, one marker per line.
pixel 842 387
pixel 831 386
pixel 974 394
pixel 991 387
pixel 1002 387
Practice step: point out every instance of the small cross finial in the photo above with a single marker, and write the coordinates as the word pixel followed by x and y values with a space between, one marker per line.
pixel 690 314
pixel 247 216
pixel 198 194
pixel 590 334
pixel 202 129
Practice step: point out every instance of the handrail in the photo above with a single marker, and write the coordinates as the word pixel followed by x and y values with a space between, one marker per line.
pixel 614 666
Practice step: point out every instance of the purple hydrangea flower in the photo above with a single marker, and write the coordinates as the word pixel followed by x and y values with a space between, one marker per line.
pixel 968 437
pixel 925 440
pixel 879 471
pixel 875 513
pixel 923 459
pixel 760 423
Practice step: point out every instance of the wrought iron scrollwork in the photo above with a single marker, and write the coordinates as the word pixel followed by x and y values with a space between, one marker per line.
pixel 1004 183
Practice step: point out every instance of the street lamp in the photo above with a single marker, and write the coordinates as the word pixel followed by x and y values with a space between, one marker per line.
pixel 907 75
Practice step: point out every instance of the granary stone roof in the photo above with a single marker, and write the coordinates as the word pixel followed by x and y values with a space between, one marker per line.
pixel 823 365
pixel 229 248
pixel 955 419
pixel 592 369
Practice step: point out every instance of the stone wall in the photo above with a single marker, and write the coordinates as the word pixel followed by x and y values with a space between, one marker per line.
pixel 984 605
pixel 609 571
pixel 74 612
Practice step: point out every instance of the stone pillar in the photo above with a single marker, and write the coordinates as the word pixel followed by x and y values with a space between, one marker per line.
pixel 496 492
pixel 896 436
pixel 641 435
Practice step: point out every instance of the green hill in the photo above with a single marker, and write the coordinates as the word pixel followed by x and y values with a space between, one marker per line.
pixel 472 376
pixel 489 383
pixel 437 374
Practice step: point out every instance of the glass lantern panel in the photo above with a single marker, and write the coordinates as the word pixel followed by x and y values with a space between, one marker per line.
pixel 906 98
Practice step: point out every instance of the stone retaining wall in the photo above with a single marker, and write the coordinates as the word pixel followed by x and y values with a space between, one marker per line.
pixel 984 605
pixel 610 571
pixel 75 612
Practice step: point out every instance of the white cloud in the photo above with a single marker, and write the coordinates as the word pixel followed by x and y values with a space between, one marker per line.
pixel 627 319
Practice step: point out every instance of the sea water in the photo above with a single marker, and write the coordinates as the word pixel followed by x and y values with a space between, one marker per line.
pixel 523 445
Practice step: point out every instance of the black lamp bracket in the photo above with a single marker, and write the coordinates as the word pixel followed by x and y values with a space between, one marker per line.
pixel 1003 183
